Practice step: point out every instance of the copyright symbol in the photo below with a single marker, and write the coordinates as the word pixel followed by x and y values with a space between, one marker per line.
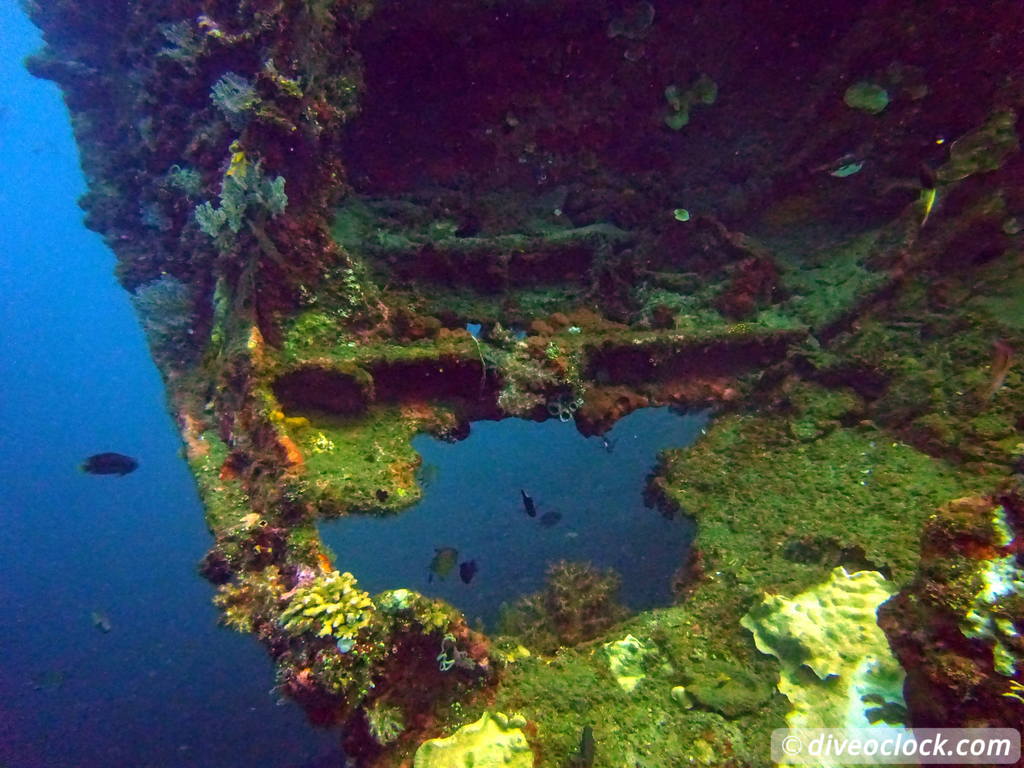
pixel 792 745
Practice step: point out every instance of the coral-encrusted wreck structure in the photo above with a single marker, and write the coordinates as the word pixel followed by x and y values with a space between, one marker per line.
pixel 809 218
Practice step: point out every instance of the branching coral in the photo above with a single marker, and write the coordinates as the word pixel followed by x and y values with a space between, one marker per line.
pixel 246 195
pixel 368 637
pixel 165 309
pixel 385 722
pixel 330 606
pixel 186 180
pixel 234 96
pixel 577 604
pixel 186 44
pixel 526 379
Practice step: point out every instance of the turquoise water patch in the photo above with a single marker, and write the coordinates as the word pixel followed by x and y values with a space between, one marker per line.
pixel 588 495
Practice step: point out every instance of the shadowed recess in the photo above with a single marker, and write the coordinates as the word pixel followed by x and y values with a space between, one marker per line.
pixel 588 501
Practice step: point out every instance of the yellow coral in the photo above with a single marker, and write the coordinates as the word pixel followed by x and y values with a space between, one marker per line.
pixel 321 443
pixel 331 606
pixel 239 163
pixel 251 520
pixel 1015 691
pixel 492 741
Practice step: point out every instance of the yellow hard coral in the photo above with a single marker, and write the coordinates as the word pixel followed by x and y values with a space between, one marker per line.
pixel 331 606
pixel 492 741
pixel 837 668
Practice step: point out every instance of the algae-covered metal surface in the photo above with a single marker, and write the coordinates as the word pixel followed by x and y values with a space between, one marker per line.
pixel 347 226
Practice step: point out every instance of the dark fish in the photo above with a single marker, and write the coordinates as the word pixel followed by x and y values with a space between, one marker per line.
pixel 608 445
pixel 442 563
pixel 467 571
pixel 588 749
pixel 109 464
pixel 531 508
pixel 550 519
pixel 101 621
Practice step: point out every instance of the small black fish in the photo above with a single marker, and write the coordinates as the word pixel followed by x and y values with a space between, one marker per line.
pixel 550 519
pixel 467 571
pixel 608 445
pixel 109 464
pixel 588 749
pixel 531 508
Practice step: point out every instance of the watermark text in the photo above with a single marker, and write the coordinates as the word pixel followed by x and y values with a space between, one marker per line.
pixel 874 746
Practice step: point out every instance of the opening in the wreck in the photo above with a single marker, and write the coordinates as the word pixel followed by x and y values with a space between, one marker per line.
pixel 588 499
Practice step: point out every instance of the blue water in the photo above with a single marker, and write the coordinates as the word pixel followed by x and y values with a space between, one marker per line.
pixel 472 503
pixel 166 687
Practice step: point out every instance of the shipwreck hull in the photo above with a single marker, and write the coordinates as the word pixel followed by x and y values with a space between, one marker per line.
pixel 346 223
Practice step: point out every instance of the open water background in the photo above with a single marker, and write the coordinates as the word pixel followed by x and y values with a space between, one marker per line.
pixel 166 687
